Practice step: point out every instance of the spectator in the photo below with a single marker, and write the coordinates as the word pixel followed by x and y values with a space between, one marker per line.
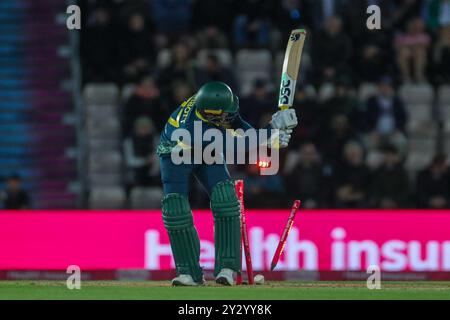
pixel 412 49
pixel 386 117
pixel 171 16
pixel 352 178
pixel 145 101
pixel 322 10
pixel 433 185
pixel 98 48
pixel 209 13
pixel 306 180
pixel 332 51
pixel 372 64
pixel 181 68
pixel 262 191
pixel 341 103
pixel 333 143
pixel 390 185
pixel 442 55
pixel 211 38
pixel 179 93
pixel 397 13
pixel 214 71
pixel 261 100
pixel 136 49
pixel 251 26
pixel 139 150
pixel 437 13
pixel 305 103
pixel 15 197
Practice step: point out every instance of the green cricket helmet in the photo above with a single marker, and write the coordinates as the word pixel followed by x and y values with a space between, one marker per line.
pixel 217 104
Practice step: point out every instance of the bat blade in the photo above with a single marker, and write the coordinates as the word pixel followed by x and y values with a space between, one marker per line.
pixel 291 67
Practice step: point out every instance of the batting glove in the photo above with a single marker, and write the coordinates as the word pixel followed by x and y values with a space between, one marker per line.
pixel 284 119
pixel 280 139
pixel 285 137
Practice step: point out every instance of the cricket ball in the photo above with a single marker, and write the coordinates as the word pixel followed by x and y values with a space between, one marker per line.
pixel 259 279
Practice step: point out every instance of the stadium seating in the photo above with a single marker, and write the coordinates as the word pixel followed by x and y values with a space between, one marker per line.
pixel 248 59
pixel 444 104
pixel 419 101
pixel 326 91
pixel 447 146
pixel 163 58
pixel 366 90
pixel 106 144
pixel 107 197
pixel 224 56
pixel 444 95
pixel 252 65
pixel 421 152
pixel 103 144
pixel 105 162
pixel 105 168
pixel 104 179
pixel 106 127
pixel 421 122
pixel 126 92
pixel 101 94
pixel 146 198
pixel 413 94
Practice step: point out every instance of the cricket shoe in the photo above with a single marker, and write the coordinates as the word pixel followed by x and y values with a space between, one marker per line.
pixel 225 277
pixel 186 280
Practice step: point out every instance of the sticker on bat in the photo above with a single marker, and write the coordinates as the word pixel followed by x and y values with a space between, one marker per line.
pixel 286 90
pixel 295 37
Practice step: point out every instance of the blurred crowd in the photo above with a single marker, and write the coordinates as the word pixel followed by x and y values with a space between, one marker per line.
pixel 347 152
pixel 14 197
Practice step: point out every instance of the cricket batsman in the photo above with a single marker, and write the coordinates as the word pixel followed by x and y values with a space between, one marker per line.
pixel 217 107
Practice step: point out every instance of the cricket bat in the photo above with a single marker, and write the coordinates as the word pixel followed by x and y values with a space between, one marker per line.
pixel 291 66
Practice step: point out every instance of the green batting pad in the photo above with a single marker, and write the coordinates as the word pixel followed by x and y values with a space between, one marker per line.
pixel 184 240
pixel 227 226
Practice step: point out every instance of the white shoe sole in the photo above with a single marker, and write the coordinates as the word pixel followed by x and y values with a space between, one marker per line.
pixel 177 283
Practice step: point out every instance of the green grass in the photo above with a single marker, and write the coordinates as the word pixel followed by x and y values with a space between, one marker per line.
pixel 272 290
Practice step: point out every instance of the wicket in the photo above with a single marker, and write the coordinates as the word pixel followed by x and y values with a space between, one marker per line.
pixel 239 185
pixel 285 234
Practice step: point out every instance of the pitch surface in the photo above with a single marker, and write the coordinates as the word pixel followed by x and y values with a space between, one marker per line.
pixel 271 290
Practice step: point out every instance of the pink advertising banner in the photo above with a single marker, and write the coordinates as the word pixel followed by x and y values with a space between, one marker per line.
pixel 329 240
